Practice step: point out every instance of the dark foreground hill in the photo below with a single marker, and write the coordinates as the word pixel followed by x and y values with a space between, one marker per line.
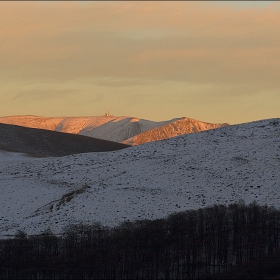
pixel 45 143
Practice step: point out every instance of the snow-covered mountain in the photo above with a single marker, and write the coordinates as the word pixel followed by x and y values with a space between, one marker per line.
pixel 128 130
pixel 153 180
pixel 174 128
pixel 33 121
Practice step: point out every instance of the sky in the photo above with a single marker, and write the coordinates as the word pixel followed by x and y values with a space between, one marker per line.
pixel 211 61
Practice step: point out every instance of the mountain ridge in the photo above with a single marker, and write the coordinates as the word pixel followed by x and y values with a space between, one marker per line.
pixel 179 127
pixel 126 130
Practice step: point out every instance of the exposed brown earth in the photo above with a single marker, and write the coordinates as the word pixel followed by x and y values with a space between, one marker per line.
pixel 45 143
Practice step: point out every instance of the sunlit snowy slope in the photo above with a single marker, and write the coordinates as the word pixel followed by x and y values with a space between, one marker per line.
pixel 224 165
pixel 129 130
pixel 171 129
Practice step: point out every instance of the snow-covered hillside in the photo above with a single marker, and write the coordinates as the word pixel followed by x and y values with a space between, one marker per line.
pixel 117 129
pixel 33 121
pixel 10 156
pixel 224 165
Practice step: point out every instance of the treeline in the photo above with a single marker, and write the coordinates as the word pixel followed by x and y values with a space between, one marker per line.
pixel 188 245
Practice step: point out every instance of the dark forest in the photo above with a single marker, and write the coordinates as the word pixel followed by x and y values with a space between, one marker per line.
pixel 229 242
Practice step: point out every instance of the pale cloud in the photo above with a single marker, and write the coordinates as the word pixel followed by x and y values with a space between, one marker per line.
pixel 36 94
pixel 116 82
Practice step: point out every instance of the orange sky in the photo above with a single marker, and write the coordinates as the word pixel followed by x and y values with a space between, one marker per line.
pixel 216 62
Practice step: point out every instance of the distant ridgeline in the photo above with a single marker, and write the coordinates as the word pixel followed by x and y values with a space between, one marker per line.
pixel 126 130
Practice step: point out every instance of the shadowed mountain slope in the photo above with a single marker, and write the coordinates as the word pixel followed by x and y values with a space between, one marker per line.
pixel 45 143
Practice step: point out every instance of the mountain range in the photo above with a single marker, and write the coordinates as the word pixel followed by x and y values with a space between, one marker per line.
pixel 127 130
pixel 219 166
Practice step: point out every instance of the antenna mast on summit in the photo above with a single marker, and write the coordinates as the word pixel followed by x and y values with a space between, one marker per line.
pixel 107 113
